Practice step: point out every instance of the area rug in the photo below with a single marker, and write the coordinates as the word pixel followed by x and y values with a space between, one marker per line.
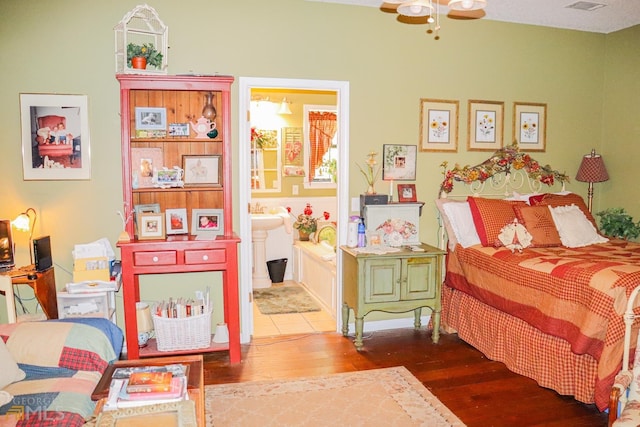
pixel 378 397
pixel 284 299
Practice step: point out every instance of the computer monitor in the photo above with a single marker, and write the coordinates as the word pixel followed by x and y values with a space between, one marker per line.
pixel 6 246
pixel 42 253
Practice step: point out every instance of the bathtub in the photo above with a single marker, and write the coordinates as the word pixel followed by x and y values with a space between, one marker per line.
pixel 314 267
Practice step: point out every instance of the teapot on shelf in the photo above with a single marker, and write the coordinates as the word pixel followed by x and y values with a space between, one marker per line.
pixel 204 128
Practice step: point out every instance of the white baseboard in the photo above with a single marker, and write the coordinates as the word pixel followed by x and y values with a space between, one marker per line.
pixel 383 325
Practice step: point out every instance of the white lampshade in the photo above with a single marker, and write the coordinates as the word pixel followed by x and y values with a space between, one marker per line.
pixel 467 4
pixel 415 8
pixel 284 107
pixel 143 316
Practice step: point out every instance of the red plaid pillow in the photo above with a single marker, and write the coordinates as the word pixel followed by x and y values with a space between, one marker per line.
pixel 539 223
pixel 490 216
pixel 555 200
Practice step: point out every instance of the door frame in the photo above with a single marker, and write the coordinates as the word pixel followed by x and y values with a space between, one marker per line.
pixel 246 84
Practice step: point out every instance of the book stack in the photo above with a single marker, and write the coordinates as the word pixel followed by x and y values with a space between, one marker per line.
pixel 147 385
pixel 184 307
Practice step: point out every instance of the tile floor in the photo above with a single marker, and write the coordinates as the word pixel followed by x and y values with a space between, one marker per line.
pixel 293 323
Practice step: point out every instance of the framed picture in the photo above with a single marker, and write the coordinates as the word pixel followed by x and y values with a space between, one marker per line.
pixel 55 137
pixel 399 162
pixel 438 125
pixel 293 151
pixel 530 126
pixel 201 170
pixel 143 162
pixel 149 118
pixel 178 129
pixel 407 193
pixel 150 226
pixel 485 125
pixel 207 223
pixel 168 177
pixel 145 208
pixel 176 221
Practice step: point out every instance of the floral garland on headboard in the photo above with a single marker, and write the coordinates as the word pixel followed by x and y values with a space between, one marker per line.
pixel 501 162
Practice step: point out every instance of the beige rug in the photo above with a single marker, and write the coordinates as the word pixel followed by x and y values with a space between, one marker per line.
pixel 379 397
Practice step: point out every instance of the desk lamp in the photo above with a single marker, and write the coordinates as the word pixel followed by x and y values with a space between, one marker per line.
pixel 23 223
pixel 592 169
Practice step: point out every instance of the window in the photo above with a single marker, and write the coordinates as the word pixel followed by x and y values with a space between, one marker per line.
pixel 320 146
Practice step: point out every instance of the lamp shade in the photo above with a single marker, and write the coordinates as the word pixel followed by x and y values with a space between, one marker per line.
pixel 467 4
pixel 415 8
pixel 592 169
pixel 284 107
pixel 143 316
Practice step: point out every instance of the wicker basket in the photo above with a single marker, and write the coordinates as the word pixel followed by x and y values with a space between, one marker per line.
pixel 182 334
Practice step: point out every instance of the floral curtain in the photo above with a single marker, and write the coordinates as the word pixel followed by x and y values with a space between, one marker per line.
pixel 322 128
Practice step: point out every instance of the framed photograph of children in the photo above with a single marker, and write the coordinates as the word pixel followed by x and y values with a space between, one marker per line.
pixel 150 226
pixel 485 125
pixel 530 126
pixel 207 223
pixel 176 221
pixel 149 118
pixel 399 162
pixel 438 125
pixel 407 193
pixel 55 137
pixel 202 170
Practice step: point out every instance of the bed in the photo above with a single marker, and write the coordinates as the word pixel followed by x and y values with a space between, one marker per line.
pixel 547 301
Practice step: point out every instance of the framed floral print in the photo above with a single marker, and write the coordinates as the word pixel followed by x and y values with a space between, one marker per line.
pixel 486 120
pixel 530 126
pixel 438 125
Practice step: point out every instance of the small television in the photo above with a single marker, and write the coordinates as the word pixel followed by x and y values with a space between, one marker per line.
pixel 6 246
pixel 42 253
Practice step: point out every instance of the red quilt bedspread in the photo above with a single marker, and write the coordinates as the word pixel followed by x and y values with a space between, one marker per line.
pixel 577 294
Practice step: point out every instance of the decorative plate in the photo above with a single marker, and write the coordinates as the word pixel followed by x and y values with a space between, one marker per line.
pixel 395 239
pixel 327 233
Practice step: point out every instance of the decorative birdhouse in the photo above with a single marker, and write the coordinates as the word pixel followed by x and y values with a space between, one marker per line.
pixel 141 42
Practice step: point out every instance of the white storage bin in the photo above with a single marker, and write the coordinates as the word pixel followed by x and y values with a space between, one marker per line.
pixel 97 304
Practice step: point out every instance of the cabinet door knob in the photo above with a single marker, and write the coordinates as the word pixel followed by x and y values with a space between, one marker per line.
pixel 205 257
pixel 155 259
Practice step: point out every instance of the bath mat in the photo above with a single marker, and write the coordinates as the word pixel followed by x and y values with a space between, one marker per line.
pixel 389 397
pixel 284 299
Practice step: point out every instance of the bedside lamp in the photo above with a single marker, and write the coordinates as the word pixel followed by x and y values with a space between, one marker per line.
pixel 592 169
pixel 145 323
pixel 23 223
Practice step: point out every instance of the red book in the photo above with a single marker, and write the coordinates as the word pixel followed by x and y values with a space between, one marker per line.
pixel 147 382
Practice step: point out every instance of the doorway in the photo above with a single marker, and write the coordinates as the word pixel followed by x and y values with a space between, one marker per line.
pixel 246 85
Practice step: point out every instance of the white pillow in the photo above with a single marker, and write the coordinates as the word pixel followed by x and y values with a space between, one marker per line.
pixel 574 228
pixel 461 220
pixel 10 372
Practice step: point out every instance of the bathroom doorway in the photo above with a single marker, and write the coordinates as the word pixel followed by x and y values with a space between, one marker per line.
pixel 271 90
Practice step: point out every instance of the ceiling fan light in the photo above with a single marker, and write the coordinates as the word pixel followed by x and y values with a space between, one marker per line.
pixel 415 8
pixel 467 4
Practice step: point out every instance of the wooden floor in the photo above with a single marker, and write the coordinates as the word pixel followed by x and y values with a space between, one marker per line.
pixel 480 392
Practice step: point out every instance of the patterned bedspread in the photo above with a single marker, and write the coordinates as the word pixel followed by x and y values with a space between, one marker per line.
pixel 64 361
pixel 576 294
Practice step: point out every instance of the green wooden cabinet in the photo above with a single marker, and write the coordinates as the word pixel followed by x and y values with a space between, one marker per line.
pixel 395 282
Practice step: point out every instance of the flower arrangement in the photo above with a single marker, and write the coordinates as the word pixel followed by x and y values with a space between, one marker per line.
pixel 147 51
pixel 371 171
pixel 501 162
pixel 305 222
pixel 405 228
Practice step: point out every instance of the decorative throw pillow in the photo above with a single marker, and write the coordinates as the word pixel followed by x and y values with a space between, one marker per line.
pixel 10 371
pixel 574 228
pixel 556 200
pixel 515 236
pixel 539 222
pixel 461 221
pixel 490 216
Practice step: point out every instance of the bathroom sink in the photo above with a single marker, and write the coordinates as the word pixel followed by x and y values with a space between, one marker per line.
pixel 266 221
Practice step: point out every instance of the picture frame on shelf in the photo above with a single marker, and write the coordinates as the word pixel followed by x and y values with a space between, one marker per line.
pixel 143 163
pixel 151 118
pixel 55 137
pixel 438 125
pixel 179 130
pixel 144 208
pixel 407 193
pixel 530 126
pixel 207 223
pixel 486 121
pixel 202 170
pixel 151 226
pixel 176 221
pixel 399 162
pixel 166 177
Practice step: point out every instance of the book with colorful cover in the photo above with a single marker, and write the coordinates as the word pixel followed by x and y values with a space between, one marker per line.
pixel 149 382
pixel 120 398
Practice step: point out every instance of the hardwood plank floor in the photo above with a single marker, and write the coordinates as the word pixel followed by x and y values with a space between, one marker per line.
pixel 480 392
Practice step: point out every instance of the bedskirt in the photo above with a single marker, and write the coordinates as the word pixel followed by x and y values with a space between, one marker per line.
pixel 523 349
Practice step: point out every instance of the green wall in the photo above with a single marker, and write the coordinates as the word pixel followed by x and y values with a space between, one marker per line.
pixel 66 47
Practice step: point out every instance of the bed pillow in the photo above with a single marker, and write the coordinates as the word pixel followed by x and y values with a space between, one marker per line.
pixel 556 200
pixel 539 223
pixel 461 223
pixel 490 216
pixel 10 372
pixel 574 228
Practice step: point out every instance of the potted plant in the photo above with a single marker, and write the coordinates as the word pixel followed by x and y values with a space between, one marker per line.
pixel 139 56
pixel 615 222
